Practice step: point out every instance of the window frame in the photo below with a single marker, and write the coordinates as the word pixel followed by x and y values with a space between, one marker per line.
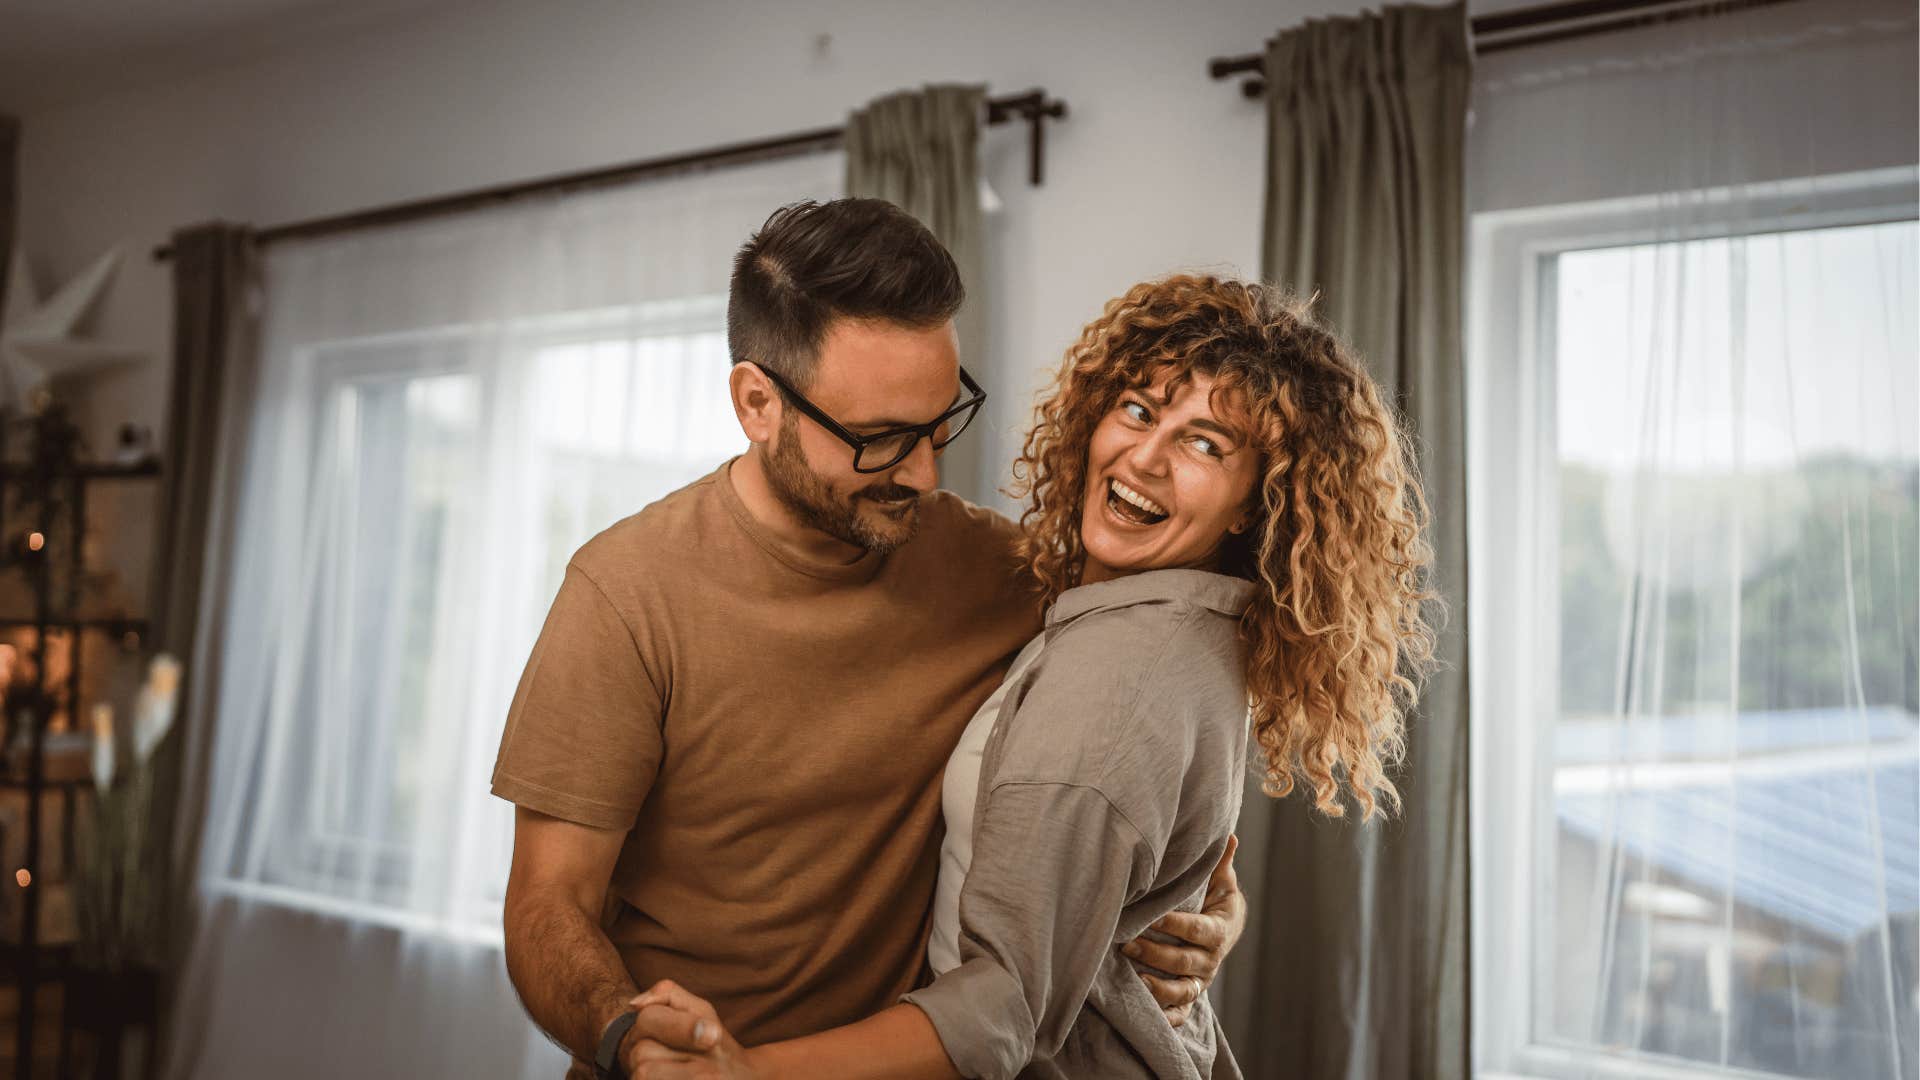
pixel 1513 523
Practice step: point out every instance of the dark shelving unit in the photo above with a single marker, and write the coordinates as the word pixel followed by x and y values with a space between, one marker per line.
pixel 63 493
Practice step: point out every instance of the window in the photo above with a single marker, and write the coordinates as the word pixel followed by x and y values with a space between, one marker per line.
pixel 588 417
pixel 1697 789
pixel 446 411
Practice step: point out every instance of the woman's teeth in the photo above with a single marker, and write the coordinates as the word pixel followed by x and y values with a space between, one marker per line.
pixel 1134 506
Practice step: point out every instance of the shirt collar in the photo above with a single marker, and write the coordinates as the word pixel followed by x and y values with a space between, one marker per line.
pixel 1217 592
pixel 791 556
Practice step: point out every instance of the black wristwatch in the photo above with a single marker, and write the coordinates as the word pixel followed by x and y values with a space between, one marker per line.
pixel 606 1063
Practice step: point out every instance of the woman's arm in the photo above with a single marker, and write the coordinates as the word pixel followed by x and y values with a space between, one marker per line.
pixel 897 1044
pixel 1053 866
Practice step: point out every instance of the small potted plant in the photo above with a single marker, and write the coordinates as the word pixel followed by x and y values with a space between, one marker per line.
pixel 122 880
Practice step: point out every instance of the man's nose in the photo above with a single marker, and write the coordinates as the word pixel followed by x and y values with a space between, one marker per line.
pixel 921 469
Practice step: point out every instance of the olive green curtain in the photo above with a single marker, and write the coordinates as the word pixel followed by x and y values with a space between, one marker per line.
pixel 216 293
pixel 919 149
pixel 1355 965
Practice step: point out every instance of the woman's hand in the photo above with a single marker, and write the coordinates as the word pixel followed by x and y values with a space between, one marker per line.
pixel 678 1036
pixel 1209 934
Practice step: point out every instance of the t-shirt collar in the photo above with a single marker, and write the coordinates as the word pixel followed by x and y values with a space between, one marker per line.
pixel 1217 592
pixel 859 570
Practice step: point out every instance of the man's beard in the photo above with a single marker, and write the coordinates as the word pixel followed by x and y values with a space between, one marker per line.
pixel 810 498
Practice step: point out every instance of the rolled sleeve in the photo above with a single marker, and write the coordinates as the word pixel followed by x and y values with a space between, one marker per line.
pixel 980 1013
pixel 1053 866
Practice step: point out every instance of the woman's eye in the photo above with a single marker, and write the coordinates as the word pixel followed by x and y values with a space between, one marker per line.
pixel 1136 410
pixel 1207 446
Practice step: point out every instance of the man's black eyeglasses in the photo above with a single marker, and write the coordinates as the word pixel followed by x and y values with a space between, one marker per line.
pixel 885 449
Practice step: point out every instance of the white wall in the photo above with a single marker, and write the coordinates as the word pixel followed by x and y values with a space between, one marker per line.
pixel 1158 167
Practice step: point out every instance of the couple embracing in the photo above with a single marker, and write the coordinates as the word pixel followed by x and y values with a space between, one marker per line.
pixel 857 779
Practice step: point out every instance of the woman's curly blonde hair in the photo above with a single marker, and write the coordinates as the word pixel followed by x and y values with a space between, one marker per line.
pixel 1337 636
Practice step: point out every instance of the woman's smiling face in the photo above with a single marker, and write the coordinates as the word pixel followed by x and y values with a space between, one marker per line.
pixel 1169 476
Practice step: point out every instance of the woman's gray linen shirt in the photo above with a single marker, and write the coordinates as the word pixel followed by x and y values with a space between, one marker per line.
pixel 1107 791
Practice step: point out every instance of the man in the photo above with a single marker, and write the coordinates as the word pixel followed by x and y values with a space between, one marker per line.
pixel 727 747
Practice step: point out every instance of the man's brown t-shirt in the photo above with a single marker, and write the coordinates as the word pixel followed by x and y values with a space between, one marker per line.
pixel 773 731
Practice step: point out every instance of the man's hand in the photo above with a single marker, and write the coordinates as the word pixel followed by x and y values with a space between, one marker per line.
pixel 1208 934
pixel 678 1036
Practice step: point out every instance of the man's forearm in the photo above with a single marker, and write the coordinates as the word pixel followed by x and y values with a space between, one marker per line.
pixel 568 975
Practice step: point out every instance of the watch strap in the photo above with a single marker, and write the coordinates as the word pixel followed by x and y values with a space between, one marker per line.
pixel 606 1063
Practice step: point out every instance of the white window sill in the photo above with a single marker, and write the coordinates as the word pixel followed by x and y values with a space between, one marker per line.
pixel 1540 1061
pixel 359 913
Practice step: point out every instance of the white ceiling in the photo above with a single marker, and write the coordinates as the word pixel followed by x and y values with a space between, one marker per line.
pixel 57 51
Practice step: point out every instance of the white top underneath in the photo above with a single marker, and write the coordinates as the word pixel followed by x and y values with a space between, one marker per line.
pixel 959 790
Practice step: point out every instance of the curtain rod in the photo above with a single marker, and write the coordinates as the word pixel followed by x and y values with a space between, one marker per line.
pixel 1032 106
pixel 1541 25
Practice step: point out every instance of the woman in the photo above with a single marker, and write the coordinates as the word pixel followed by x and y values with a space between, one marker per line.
pixel 1226 522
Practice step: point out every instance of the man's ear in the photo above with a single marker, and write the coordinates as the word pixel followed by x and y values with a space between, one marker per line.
pixel 756 402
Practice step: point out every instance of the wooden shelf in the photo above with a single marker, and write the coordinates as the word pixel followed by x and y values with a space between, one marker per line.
pixel 110 625
pixel 50 961
pixel 13 470
pixel 9 781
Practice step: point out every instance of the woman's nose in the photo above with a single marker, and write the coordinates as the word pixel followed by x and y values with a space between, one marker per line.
pixel 1148 456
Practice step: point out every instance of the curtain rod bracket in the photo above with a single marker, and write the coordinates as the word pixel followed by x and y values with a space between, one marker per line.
pixel 1035 108
pixel 1226 67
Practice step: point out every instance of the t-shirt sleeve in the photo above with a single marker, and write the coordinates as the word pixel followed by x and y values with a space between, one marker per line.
pixel 583 739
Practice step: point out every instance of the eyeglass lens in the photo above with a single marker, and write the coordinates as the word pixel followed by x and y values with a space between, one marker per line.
pixel 890 451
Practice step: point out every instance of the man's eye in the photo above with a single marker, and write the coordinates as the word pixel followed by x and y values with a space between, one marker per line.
pixel 1137 411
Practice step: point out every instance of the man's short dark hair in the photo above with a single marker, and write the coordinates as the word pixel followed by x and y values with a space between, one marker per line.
pixel 814 262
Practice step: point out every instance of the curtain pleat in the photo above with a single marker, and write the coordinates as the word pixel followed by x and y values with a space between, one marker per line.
pixel 919 149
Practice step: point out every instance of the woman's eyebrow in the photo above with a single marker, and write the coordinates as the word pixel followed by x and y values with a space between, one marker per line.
pixel 1214 426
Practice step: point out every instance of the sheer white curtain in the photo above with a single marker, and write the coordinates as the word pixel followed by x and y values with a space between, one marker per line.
pixel 1695 348
pixel 448 410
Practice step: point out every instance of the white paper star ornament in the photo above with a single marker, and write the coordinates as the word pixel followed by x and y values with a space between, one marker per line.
pixel 37 340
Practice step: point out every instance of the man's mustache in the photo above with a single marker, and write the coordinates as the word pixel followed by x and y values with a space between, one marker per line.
pixel 888 493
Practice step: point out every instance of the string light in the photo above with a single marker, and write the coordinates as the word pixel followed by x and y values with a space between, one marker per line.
pixel 24 876
pixel 35 541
